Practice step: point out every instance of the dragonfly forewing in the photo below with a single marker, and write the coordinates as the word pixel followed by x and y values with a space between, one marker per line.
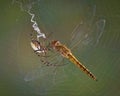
pixel 85 35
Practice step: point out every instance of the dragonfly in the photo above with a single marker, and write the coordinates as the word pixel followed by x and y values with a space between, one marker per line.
pixel 60 49
pixel 66 52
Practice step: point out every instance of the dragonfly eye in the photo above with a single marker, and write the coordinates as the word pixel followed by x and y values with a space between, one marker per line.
pixel 58 43
pixel 55 43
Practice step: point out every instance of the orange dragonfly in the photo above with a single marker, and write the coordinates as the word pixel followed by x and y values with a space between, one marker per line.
pixel 51 50
pixel 65 52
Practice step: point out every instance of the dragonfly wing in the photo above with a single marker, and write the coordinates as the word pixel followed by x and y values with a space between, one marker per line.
pixel 96 31
pixel 87 35
pixel 48 67
pixel 99 29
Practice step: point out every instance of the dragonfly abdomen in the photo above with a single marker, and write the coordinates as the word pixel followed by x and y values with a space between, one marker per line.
pixel 81 66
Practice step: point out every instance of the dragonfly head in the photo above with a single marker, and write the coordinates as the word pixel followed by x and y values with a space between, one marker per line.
pixel 55 43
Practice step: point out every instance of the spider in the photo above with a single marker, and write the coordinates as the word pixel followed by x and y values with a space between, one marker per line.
pixel 44 50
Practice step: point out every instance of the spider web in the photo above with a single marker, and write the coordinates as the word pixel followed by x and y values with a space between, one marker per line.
pixel 103 59
pixel 85 34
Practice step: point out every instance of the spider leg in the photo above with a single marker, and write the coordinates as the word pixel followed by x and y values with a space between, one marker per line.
pixel 40 54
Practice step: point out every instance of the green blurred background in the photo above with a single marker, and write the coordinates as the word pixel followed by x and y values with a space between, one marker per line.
pixel 59 17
